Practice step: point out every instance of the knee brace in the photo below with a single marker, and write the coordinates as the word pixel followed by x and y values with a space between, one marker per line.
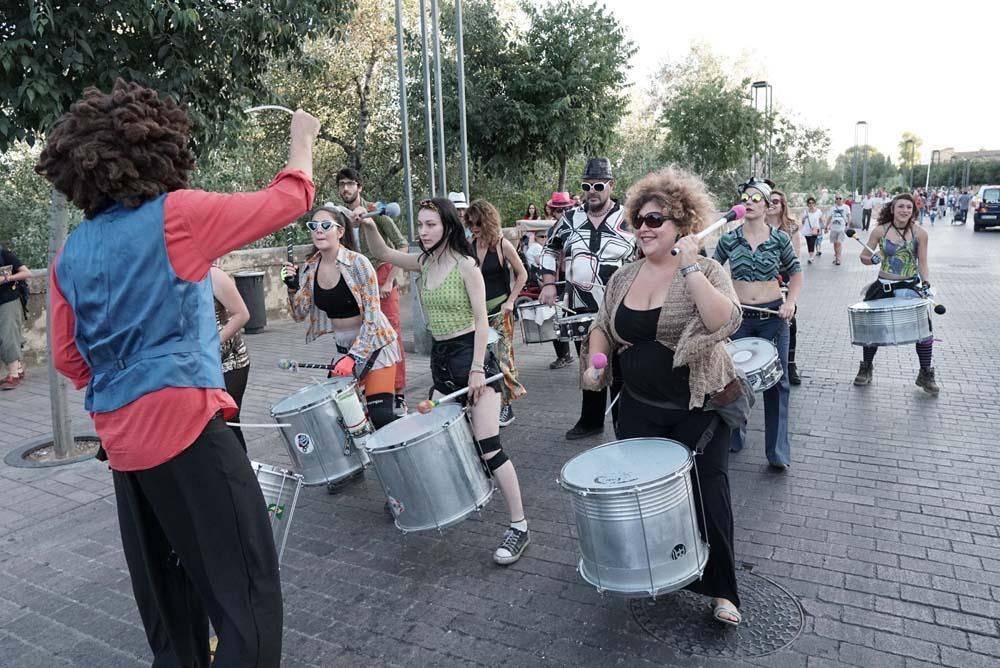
pixel 491 445
pixel 380 409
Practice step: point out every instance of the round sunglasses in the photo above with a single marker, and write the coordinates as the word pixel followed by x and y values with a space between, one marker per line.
pixel 756 197
pixel 596 187
pixel 325 225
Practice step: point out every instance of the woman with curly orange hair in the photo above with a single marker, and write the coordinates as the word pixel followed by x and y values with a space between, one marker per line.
pixel 664 322
pixel 133 321
pixel 497 259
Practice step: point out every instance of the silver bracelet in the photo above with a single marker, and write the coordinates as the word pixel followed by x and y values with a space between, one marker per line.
pixel 690 269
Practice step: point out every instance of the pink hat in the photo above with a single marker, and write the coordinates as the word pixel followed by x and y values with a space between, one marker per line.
pixel 560 200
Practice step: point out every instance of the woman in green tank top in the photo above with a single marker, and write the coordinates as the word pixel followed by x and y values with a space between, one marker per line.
pixel 453 296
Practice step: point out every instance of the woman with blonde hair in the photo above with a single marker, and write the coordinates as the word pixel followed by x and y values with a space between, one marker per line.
pixel 497 259
pixel 778 217
pixel 664 323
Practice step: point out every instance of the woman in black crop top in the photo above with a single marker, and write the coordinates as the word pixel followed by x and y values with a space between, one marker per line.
pixel 339 295
pixel 497 259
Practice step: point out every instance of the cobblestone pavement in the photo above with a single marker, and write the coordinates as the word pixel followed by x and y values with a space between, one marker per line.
pixel 885 528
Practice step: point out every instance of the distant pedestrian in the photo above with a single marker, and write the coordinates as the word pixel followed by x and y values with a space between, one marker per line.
pixel 837 220
pixel 12 270
pixel 812 226
pixel 531 213
pixel 867 205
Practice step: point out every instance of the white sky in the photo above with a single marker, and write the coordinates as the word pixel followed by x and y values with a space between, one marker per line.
pixel 931 68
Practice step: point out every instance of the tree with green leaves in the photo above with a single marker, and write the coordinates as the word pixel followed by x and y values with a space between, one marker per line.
pixel 208 54
pixel 709 123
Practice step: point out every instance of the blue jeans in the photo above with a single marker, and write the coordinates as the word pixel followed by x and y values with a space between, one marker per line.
pixel 776 444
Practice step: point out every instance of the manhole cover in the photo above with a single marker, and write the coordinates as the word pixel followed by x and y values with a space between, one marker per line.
pixel 772 620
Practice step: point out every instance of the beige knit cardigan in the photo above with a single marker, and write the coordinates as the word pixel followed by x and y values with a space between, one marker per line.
pixel 679 328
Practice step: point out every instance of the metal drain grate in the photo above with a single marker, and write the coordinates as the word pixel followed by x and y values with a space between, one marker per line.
pixel 772 620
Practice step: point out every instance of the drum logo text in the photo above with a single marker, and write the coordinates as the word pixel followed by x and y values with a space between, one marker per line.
pixel 619 478
pixel 679 551
pixel 304 443
pixel 276 511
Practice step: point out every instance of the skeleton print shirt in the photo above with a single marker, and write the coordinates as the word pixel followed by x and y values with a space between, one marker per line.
pixel 590 254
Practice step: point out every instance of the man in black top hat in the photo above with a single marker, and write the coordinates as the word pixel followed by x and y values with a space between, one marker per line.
pixel 594 240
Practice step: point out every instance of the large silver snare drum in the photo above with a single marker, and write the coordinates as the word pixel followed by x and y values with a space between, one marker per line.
pixel 635 516
pixel 532 330
pixel 281 492
pixel 889 322
pixel 758 358
pixel 430 469
pixel 328 426
pixel 574 327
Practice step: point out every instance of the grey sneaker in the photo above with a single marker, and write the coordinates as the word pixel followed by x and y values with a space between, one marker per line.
pixel 561 362
pixel 864 376
pixel 510 550
pixel 925 379
pixel 506 415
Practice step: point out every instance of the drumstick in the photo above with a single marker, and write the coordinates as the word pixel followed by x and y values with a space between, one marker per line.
pixel 762 310
pixel 259 426
pixel 736 213
pixel 938 308
pixel 263 107
pixel 876 258
pixel 295 365
pixel 427 405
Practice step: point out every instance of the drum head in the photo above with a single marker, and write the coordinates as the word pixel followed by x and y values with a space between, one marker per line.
pixel 624 464
pixel 887 304
pixel 414 427
pixel 311 395
pixel 751 353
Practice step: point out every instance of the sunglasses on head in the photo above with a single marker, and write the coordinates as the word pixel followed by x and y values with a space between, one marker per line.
pixel 325 225
pixel 429 204
pixel 653 220
pixel 596 187
pixel 756 197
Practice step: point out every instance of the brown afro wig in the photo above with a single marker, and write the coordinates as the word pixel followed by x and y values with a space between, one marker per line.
pixel 126 147
pixel 683 197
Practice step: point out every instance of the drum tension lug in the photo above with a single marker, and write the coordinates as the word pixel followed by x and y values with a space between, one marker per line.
pixel 349 440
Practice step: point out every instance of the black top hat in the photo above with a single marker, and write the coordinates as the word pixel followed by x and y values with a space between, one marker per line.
pixel 597 168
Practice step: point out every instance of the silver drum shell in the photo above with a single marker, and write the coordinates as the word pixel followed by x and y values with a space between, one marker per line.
pixel 281 492
pixel 531 331
pixel 575 327
pixel 889 322
pixel 639 541
pixel 430 469
pixel 320 448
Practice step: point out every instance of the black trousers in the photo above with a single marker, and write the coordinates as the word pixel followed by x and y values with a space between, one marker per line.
pixel 198 544
pixel 866 218
pixel 236 386
pixel 593 404
pixel 639 420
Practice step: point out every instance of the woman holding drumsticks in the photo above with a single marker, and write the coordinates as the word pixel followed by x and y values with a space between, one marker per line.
pixel 337 291
pixel 498 259
pixel 453 295
pixel 668 317
pixel 902 272
pixel 757 254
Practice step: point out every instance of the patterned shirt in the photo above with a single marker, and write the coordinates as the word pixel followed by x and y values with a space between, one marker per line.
pixel 764 263
pixel 234 351
pixel 591 254
pixel 376 333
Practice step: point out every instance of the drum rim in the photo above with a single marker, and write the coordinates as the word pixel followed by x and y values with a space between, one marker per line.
pixel 270 468
pixel 329 397
pixel 579 317
pixel 604 491
pixel 444 426
pixel 896 303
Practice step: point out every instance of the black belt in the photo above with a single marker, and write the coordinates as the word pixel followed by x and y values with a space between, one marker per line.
pixel 757 315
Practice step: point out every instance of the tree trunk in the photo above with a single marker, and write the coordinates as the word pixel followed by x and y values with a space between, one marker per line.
pixel 62 433
pixel 562 173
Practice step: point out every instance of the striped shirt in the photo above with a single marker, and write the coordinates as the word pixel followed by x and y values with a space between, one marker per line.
pixel 764 263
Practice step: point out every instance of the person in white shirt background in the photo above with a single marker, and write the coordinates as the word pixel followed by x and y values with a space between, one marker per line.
pixel 812 226
pixel 837 220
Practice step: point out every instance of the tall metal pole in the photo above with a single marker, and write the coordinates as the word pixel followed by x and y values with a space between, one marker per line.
pixel 428 125
pixel 436 31
pixel 909 142
pixel 459 30
pixel 761 95
pixel 404 118
pixel 864 164
pixel 927 182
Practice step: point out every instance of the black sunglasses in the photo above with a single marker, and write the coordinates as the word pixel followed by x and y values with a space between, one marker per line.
pixel 653 220
pixel 324 225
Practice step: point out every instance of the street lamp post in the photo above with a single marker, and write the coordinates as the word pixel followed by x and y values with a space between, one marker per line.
pixel 762 95
pixel 909 145
pixel 860 129
pixel 934 154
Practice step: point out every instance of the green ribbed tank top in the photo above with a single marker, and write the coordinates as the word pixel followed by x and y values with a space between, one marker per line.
pixel 447 307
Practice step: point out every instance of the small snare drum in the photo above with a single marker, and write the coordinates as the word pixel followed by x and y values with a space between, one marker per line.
pixel 758 358
pixel 574 327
